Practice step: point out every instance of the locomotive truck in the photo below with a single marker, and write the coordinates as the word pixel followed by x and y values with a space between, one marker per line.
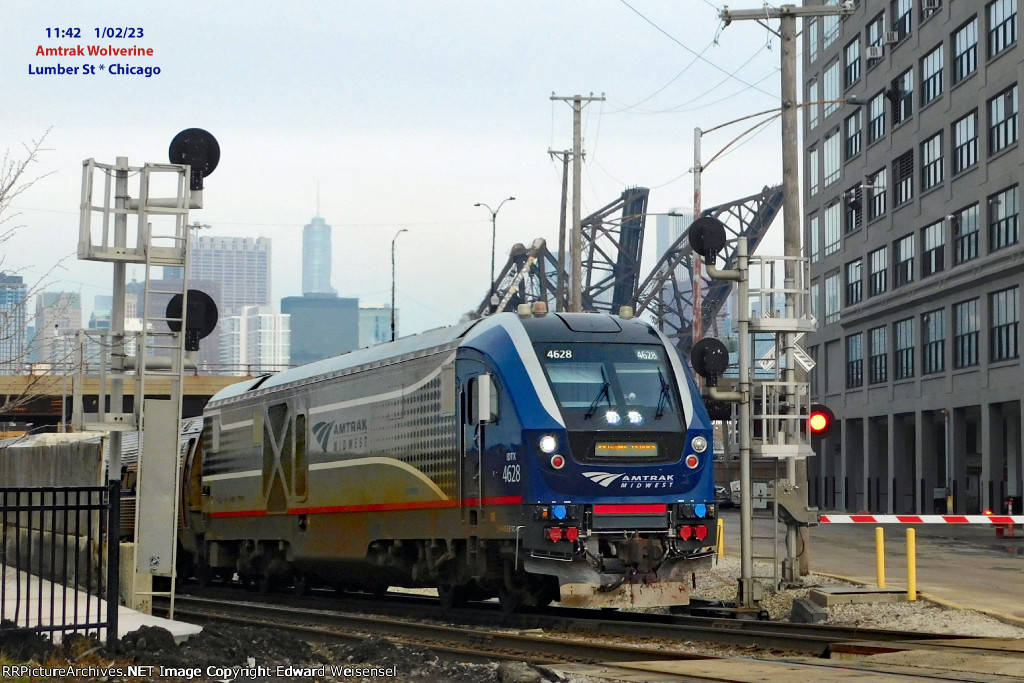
pixel 531 456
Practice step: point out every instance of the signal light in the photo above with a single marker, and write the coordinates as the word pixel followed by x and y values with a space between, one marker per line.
pixel 819 420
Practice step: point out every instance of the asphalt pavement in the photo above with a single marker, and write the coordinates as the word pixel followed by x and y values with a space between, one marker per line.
pixel 966 565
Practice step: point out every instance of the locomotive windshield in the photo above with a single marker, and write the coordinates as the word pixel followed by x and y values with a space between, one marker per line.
pixel 612 387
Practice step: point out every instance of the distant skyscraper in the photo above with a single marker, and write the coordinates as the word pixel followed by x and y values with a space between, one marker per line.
pixel 316 258
pixel 671 228
pixel 256 342
pixel 240 265
pixel 375 325
pixel 58 317
pixel 324 326
pixel 13 340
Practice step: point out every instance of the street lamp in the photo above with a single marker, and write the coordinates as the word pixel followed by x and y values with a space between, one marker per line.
pixel 393 281
pixel 494 231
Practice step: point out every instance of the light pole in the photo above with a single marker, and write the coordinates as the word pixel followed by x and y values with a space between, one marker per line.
pixel 494 231
pixel 393 281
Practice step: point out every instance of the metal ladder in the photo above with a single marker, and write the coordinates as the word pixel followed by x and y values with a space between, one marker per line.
pixel 763 542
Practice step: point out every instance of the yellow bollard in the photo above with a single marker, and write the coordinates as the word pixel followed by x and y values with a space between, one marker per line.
pixel 721 537
pixel 880 556
pixel 911 565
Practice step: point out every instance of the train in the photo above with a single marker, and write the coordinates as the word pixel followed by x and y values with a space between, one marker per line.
pixel 530 456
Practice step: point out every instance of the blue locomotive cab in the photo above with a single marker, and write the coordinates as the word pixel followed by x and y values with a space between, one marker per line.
pixel 614 460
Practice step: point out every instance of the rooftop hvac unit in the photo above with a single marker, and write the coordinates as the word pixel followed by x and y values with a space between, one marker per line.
pixel 891 37
pixel 875 51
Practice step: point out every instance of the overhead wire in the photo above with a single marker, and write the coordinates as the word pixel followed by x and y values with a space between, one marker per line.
pixel 692 51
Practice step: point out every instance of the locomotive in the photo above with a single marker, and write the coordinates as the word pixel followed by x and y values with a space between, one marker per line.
pixel 531 456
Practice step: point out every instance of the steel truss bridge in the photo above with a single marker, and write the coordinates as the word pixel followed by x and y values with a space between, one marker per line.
pixel 613 238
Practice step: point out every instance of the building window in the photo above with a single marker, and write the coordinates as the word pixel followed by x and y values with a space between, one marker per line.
pixel 965 50
pixel 851 73
pixel 931 75
pixel 855 361
pixel 832 158
pixel 903 268
pixel 812 39
pixel 1002 25
pixel 854 209
pixel 904 360
pixel 815 295
pixel 878 275
pixel 966 327
pixel 901 16
pixel 832 305
pixel 815 235
pixel 901 93
pixel 876 117
pixel 965 227
pixel 931 162
pixel 1005 315
pixel 831 88
pixel 933 342
pixel 812 171
pixel 876 183
pixel 879 355
pixel 1002 120
pixel 875 30
pixel 833 235
pixel 829 30
pixel 903 178
pixel 933 244
pixel 852 127
pixel 1002 219
pixel 965 142
pixel 812 107
pixel 854 282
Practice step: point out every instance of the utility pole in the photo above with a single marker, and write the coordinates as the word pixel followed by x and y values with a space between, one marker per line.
pixel 560 286
pixel 576 296
pixel 787 16
pixel 696 294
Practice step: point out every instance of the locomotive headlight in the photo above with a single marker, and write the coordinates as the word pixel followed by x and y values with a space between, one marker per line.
pixel 613 417
pixel 635 418
pixel 699 444
pixel 547 443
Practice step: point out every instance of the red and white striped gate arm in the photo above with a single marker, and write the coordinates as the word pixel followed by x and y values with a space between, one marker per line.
pixel 921 519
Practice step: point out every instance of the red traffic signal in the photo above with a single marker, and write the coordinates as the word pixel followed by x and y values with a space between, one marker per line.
pixel 819 420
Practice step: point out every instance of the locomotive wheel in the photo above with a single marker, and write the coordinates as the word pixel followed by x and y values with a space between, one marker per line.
pixel 300 584
pixel 452 595
pixel 510 600
pixel 263 584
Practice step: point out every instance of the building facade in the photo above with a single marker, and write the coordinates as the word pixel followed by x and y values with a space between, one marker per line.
pixel 239 265
pixel 58 319
pixel 326 326
pixel 316 257
pixel 375 325
pixel 256 342
pixel 13 323
pixel 911 223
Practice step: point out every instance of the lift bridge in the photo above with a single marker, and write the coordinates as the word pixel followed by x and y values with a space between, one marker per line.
pixel 613 240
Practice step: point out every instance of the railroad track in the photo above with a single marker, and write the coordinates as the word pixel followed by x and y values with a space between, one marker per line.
pixel 809 639
pixel 576 653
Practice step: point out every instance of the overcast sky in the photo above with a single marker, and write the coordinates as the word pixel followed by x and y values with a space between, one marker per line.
pixel 406 113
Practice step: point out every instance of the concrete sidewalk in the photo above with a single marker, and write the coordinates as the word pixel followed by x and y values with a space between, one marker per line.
pixel 41 598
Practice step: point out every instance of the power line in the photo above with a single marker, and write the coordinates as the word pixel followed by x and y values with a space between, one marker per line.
pixel 691 51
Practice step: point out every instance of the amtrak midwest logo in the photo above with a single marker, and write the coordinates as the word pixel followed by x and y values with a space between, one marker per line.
pixel 632 481
pixel 340 435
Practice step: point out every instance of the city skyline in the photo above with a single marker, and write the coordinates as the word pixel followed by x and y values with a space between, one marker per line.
pixel 401 129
